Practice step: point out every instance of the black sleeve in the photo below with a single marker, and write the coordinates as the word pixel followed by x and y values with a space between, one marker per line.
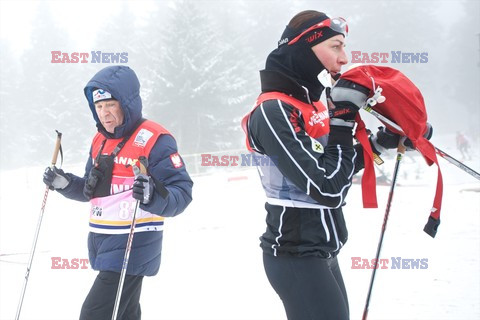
pixel 276 130
pixel 359 161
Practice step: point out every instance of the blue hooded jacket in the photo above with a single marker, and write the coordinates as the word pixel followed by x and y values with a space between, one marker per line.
pixel 124 86
pixel 106 251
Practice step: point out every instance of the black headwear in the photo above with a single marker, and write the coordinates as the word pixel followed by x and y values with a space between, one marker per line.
pixel 298 61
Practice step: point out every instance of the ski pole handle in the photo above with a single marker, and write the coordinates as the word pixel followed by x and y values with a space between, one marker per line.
pixel 401 145
pixel 441 153
pixel 143 164
pixel 57 148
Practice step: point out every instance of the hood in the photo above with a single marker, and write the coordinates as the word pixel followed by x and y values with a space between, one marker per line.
pixel 123 84
pixel 301 64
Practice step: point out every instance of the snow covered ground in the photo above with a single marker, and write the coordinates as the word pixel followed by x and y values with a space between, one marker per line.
pixel 212 267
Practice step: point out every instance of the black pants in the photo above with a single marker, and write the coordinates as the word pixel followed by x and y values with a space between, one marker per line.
pixel 100 300
pixel 311 288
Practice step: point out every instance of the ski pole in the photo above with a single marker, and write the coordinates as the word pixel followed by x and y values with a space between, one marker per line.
pixel 37 231
pixel 400 153
pixel 441 153
pixel 457 163
pixel 143 163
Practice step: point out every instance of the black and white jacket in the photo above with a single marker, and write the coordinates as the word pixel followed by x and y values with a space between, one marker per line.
pixel 306 184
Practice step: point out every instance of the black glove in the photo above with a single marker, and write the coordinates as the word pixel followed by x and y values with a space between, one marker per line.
pixel 55 178
pixel 343 110
pixel 94 176
pixel 346 98
pixel 386 139
pixel 143 188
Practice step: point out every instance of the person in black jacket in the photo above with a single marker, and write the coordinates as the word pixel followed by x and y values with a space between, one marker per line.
pixel 314 159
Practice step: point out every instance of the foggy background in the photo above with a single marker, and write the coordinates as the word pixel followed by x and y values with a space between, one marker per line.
pixel 198 63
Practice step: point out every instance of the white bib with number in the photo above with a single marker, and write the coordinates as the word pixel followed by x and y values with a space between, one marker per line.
pixel 113 214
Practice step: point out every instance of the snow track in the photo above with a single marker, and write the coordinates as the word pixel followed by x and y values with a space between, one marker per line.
pixel 212 264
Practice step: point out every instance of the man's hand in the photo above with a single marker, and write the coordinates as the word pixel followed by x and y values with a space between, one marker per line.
pixel 143 188
pixel 55 178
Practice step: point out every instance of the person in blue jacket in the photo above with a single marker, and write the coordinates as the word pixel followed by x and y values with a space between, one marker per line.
pixel 112 187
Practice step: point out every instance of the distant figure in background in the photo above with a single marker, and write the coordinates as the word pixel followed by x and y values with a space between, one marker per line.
pixel 463 145
pixel 112 188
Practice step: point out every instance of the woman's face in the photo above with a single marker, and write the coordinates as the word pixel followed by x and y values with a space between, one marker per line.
pixel 331 53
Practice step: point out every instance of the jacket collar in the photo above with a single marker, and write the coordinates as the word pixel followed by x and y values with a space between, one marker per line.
pixel 272 80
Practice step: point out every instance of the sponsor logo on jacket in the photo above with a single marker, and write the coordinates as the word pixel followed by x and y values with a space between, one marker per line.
pixel 318 117
pixel 142 138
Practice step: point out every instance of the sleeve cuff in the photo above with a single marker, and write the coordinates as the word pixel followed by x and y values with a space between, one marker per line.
pixel 341 135
pixel 341 123
pixel 376 147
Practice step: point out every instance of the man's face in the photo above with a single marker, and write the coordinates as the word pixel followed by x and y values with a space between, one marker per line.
pixel 110 114
pixel 331 53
